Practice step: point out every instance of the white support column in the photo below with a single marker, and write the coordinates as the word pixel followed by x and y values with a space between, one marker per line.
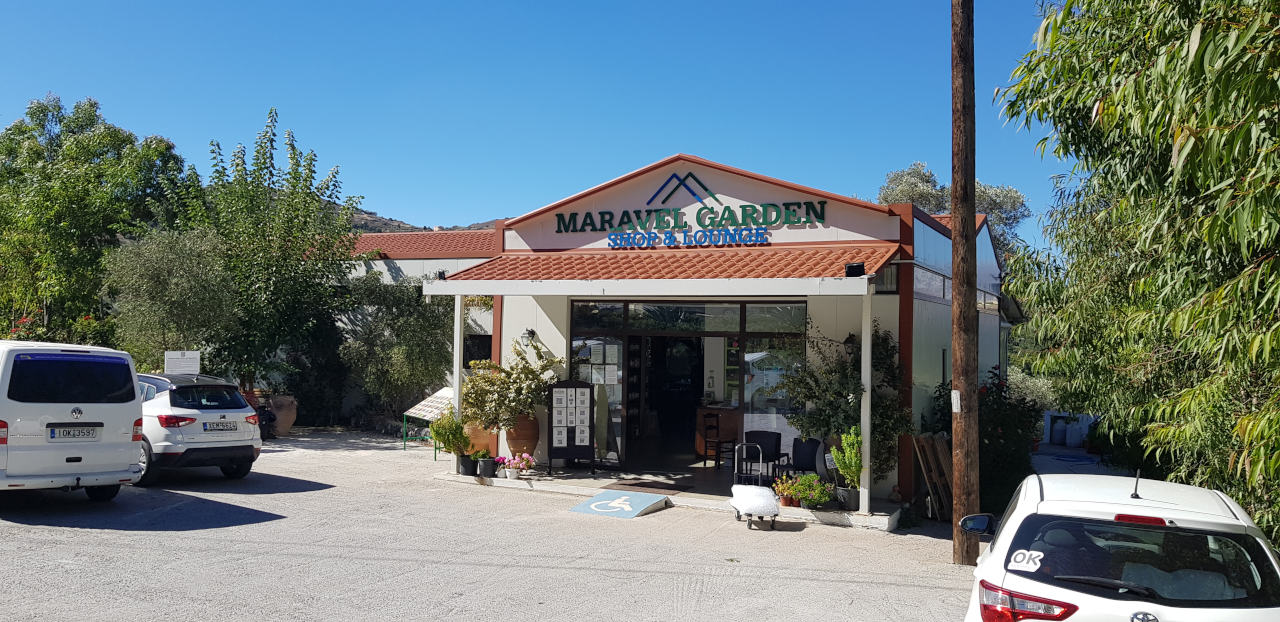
pixel 458 323
pixel 864 486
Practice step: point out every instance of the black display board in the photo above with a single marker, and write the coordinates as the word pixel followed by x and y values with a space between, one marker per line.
pixel 571 424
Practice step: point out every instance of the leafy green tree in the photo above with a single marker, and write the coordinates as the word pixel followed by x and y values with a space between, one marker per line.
pixel 1004 206
pixel 170 291
pixel 287 239
pixel 71 186
pixel 398 345
pixel 827 388
pixel 1156 304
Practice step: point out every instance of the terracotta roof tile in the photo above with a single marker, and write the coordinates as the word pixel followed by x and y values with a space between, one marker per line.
pixel 728 263
pixel 430 244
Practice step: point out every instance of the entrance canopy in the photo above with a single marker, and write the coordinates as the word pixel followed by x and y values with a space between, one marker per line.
pixel 784 271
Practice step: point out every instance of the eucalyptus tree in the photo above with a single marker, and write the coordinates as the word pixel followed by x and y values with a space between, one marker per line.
pixel 1004 206
pixel 1157 304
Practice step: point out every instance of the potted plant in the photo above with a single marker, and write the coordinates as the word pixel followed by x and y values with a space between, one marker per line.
pixel 784 487
pixel 812 491
pixel 501 463
pixel 485 466
pixel 848 459
pixel 451 434
pixel 519 464
pixel 506 398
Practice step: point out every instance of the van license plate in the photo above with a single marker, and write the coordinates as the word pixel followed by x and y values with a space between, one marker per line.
pixel 73 434
pixel 220 426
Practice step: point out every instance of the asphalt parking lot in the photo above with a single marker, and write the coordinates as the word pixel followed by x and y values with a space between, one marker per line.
pixel 340 526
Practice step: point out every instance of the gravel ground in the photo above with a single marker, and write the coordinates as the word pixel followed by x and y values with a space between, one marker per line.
pixel 338 526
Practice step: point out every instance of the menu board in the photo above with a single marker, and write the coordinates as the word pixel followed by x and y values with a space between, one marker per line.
pixel 571 426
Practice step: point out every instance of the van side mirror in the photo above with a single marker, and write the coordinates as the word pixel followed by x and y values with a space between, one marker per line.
pixel 981 524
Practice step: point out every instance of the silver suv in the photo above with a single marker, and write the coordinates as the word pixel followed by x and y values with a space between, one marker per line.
pixel 191 420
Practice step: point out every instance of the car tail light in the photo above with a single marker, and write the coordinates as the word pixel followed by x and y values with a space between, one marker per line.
pixel 1001 605
pixel 251 420
pixel 137 430
pixel 4 433
pixel 1140 520
pixel 174 421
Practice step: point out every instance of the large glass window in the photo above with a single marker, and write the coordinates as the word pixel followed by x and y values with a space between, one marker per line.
pixel 765 361
pixel 597 315
pixel 775 318
pixel 685 317
pixel 58 378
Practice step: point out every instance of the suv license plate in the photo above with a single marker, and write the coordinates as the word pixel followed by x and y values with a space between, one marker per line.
pixel 73 434
pixel 220 426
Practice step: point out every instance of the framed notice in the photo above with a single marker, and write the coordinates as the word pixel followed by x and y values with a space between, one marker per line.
pixel 597 353
pixel 611 374
pixel 597 374
pixel 611 354
pixel 570 426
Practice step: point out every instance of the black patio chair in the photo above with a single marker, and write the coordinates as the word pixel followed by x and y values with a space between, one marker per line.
pixel 804 456
pixel 771 448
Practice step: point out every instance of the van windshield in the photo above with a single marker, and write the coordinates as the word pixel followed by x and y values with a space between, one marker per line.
pixel 206 398
pixel 65 378
pixel 1173 565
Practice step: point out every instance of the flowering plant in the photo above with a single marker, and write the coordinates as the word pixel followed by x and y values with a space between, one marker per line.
pixel 520 462
pixel 784 486
pixel 812 491
pixel 501 461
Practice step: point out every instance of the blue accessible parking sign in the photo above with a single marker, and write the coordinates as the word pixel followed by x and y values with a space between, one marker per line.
pixel 622 504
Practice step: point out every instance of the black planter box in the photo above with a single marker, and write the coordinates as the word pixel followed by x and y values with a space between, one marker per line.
pixel 486 467
pixel 466 466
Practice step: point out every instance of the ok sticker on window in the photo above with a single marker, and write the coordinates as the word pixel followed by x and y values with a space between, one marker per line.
pixel 1028 561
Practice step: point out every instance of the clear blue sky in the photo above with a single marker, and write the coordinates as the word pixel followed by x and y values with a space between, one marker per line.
pixel 451 113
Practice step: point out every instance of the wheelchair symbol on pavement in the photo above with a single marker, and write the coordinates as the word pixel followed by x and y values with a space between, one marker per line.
pixel 615 505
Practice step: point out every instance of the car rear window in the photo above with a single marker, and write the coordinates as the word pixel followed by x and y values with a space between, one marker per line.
pixel 206 398
pixel 67 378
pixel 1171 565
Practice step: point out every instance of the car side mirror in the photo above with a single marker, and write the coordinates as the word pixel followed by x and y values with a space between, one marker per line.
pixel 981 524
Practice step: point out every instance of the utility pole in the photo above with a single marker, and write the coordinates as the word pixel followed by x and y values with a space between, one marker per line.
pixel 964 299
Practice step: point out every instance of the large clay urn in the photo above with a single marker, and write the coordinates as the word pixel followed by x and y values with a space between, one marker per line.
pixel 523 438
pixel 285 408
pixel 481 439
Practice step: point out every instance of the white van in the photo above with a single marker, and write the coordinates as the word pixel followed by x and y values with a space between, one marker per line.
pixel 70 417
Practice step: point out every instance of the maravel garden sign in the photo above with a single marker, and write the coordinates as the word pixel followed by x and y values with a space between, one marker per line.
pixel 720 225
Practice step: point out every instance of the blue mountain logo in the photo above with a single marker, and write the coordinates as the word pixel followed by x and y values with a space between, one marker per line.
pixel 683 182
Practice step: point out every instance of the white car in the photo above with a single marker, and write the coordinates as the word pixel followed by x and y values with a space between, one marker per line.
pixel 1098 548
pixel 70 418
pixel 191 420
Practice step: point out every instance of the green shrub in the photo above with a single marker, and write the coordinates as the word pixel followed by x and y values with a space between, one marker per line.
pixel 449 432
pixel 848 457
pixel 810 490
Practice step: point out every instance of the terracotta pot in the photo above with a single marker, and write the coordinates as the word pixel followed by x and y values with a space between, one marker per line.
pixel 286 409
pixel 789 502
pixel 523 438
pixel 481 439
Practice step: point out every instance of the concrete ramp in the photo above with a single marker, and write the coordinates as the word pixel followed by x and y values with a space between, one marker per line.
pixel 622 504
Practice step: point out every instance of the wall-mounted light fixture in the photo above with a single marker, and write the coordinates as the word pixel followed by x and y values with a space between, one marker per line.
pixel 527 337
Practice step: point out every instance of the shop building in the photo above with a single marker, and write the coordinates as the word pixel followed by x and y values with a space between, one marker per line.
pixel 687 287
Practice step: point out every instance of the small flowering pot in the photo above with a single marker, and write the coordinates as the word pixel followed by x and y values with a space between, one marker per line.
pixel 512 473
pixel 788 501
